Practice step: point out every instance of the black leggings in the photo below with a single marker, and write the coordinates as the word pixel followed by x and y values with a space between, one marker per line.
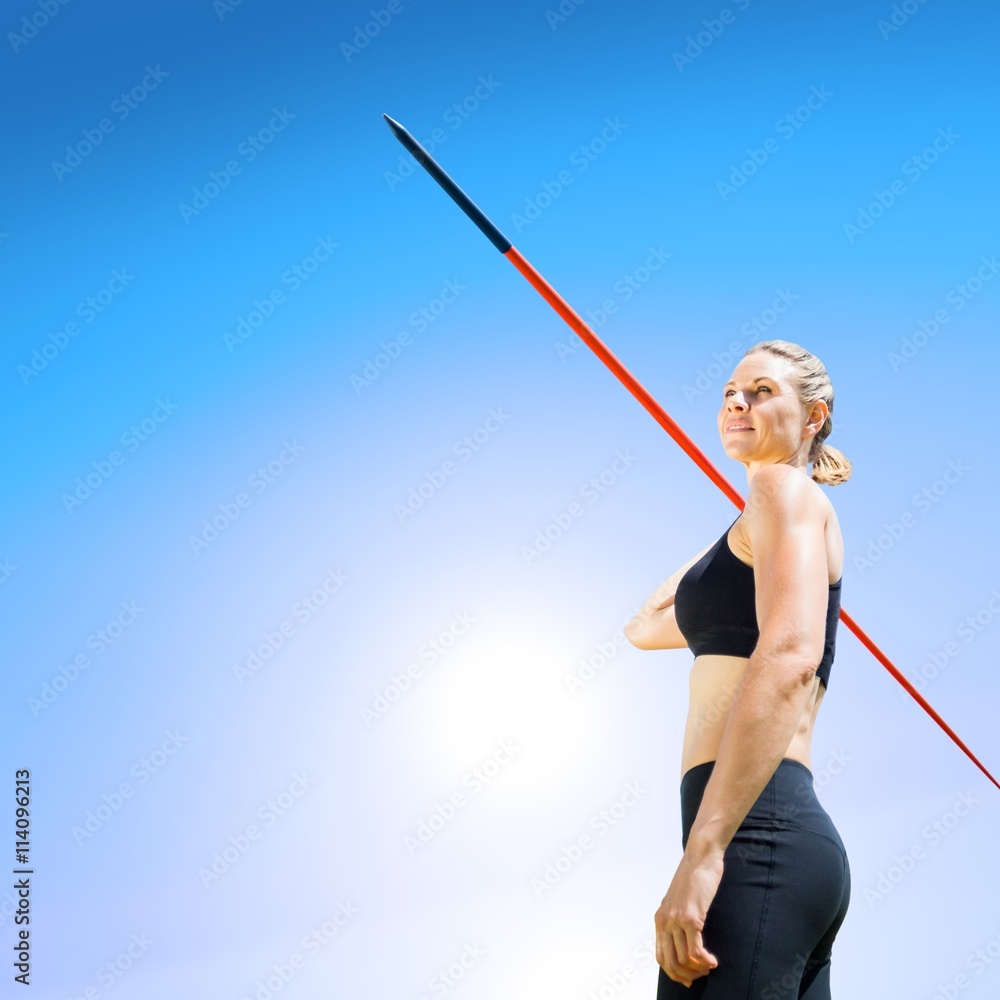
pixel 785 888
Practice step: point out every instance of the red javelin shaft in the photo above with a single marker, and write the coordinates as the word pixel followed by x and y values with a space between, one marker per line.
pixel 633 385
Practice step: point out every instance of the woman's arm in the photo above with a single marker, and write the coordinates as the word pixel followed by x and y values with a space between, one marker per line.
pixel 655 627
pixel 787 536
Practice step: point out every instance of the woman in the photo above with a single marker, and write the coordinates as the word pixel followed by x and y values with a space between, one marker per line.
pixel 764 883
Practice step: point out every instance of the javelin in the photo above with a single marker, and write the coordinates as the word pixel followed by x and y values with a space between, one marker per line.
pixel 554 299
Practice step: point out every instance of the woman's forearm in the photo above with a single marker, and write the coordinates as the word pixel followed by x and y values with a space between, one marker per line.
pixel 649 608
pixel 765 712
pixel 647 627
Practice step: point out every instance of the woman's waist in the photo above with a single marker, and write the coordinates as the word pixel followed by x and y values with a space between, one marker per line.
pixel 697 775
pixel 713 686
pixel 787 801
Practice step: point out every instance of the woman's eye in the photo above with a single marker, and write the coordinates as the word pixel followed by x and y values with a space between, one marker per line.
pixel 728 391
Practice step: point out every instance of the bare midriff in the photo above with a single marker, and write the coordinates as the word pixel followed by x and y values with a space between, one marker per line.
pixel 713 683
pixel 715 677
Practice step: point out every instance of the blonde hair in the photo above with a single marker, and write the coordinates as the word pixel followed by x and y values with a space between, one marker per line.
pixel 829 465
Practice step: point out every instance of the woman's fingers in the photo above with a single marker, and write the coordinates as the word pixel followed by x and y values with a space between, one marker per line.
pixel 689 949
pixel 674 954
pixel 681 947
pixel 666 958
pixel 698 955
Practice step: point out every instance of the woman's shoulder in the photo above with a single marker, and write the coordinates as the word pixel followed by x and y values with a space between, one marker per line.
pixel 785 490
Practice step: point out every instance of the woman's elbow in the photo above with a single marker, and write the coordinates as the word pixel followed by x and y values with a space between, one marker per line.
pixel 793 663
pixel 660 635
pixel 636 634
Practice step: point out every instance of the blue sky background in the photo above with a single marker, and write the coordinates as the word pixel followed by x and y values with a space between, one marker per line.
pixel 248 165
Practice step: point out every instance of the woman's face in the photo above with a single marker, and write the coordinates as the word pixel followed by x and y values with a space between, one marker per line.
pixel 761 420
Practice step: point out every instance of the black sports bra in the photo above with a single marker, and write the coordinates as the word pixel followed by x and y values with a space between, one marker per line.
pixel 715 607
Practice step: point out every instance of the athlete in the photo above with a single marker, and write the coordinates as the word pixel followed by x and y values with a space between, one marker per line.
pixel 764 882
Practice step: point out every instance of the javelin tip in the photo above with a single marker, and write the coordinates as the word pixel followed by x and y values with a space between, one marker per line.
pixel 471 209
pixel 393 124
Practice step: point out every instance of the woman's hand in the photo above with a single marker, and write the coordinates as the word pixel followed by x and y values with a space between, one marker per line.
pixel 655 625
pixel 662 603
pixel 679 921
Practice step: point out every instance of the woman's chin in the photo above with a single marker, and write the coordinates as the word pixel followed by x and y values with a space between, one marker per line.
pixel 735 448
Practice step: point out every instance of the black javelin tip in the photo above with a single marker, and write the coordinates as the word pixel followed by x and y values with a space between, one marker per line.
pixel 397 129
pixel 464 202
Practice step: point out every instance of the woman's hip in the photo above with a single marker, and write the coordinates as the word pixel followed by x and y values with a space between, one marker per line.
pixel 785 810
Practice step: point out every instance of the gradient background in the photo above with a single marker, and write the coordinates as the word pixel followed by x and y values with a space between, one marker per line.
pixel 334 172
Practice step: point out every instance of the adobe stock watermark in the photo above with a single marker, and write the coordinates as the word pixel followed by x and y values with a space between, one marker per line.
pixel 968 630
pixel 750 845
pixel 292 278
pixel 786 126
pixel 562 13
pixel 931 836
pixel 580 160
pixel 473 782
pixel 267 815
pixel 88 310
pixel 248 150
pixel 302 611
pixel 923 501
pixel 464 448
pixel 313 944
pixel 622 291
pixel 429 653
pixel 573 853
pixel 834 765
pixel 98 642
pixel 592 490
pixel 257 483
pixel 713 713
pixel 914 168
pixel 977 962
pixel 131 440
pixel 446 979
pixel 958 298
pixel 366 33
pixel 8 906
pixel 142 770
pixel 454 116
pixel 752 330
pixel 718 709
pixel 787 985
pixel 420 320
pixel 590 666
pixel 899 14
pixel 7 570
pixel 45 11
pixel 112 971
pixel 121 107
pixel 224 7
pixel 614 983
pixel 711 29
